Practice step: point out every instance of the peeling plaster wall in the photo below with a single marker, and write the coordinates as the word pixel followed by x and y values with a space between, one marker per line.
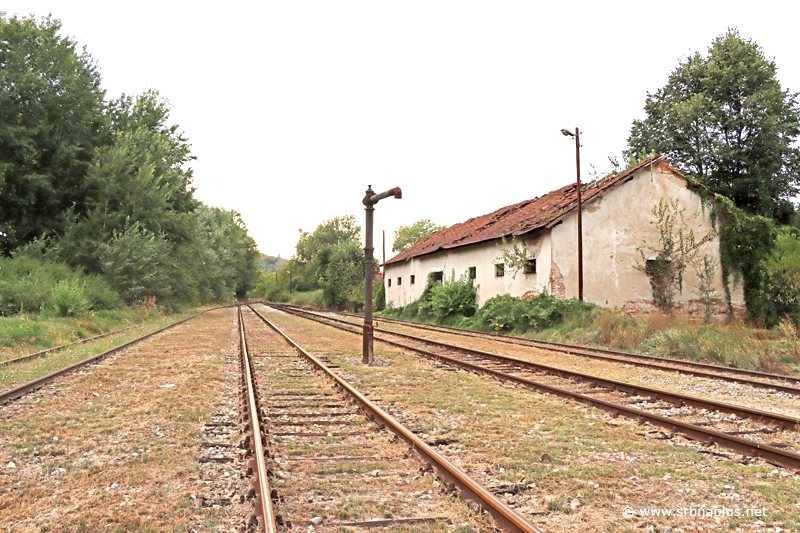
pixel 614 226
pixel 482 256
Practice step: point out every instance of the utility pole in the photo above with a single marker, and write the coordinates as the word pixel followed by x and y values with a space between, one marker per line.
pixel 369 201
pixel 577 136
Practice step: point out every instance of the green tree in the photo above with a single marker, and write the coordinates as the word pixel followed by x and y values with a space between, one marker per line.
pixel 783 273
pixel 341 274
pixel 142 176
pixel 725 120
pixel 139 264
pixel 405 236
pixel 51 121
pixel 308 264
pixel 332 231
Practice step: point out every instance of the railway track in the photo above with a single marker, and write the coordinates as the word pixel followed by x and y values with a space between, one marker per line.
pixel 335 468
pixel 747 431
pixel 25 388
pixel 43 353
pixel 752 378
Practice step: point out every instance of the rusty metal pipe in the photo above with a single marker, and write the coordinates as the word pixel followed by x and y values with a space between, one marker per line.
pixel 370 199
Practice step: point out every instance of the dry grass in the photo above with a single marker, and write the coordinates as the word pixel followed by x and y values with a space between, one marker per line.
pixel 580 467
pixel 114 447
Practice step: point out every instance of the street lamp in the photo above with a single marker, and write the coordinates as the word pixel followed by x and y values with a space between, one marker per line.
pixel 577 136
pixel 369 201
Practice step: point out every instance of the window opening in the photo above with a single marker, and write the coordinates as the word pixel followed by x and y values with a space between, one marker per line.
pixel 530 266
pixel 473 272
pixel 399 281
pixel 413 278
pixel 390 281
pixel 500 270
pixel 437 277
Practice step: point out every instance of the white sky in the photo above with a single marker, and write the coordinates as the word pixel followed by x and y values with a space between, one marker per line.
pixel 294 107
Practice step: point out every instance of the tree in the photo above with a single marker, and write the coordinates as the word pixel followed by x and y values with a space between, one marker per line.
pixel 141 177
pixel 341 274
pixel 725 120
pixel 308 262
pixel 405 236
pixel 51 121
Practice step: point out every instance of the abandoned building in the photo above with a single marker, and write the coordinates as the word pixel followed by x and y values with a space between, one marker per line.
pixel 618 227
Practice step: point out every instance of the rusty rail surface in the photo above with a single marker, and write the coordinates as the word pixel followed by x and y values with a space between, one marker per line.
pixel 769 453
pixel 505 517
pixel 42 353
pixel 640 360
pixel 263 503
pixel 25 388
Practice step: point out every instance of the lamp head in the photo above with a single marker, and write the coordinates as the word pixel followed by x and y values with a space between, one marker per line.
pixel 567 133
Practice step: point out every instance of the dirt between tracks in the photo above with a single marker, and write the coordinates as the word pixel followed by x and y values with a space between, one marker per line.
pixel 563 466
pixel 115 446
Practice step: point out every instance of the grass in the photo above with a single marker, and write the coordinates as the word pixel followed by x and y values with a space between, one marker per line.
pixel 17 374
pixel 503 433
pixel 31 332
pixel 737 344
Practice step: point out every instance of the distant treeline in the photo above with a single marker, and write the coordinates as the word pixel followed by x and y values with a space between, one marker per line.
pixel 102 187
pixel 272 264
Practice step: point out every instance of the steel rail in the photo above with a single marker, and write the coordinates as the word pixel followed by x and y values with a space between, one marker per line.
pixel 584 351
pixel 263 504
pixel 783 421
pixel 769 453
pixel 13 394
pixel 505 517
pixel 42 353
pixel 579 350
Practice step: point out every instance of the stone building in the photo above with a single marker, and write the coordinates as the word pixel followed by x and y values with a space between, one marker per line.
pixel 617 221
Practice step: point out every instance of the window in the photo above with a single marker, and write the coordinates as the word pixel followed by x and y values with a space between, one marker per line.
pixel 390 281
pixel 530 266
pixel 399 281
pixel 437 277
pixel 656 267
pixel 473 272
pixel 412 278
pixel 500 270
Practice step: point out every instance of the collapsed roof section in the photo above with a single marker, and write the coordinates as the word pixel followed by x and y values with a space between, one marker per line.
pixel 524 217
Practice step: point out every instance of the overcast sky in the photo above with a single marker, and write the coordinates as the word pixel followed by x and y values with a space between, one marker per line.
pixel 294 107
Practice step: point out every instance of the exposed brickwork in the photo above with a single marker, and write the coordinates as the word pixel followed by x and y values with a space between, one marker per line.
pixel 693 309
pixel 528 295
pixel 557 287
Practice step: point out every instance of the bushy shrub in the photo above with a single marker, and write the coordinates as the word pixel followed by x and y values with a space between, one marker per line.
pixel 453 298
pixel 28 284
pixel 379 297
pixel 68 299
pixel 139 263
pixel 307 299
pixel 507 314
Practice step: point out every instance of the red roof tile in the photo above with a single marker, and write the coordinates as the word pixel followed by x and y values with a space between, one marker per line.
pixel 524 217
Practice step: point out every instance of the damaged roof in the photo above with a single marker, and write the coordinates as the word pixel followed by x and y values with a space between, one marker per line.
pixel 524 217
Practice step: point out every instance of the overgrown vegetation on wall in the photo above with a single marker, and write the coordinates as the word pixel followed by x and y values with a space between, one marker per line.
pixel 762 255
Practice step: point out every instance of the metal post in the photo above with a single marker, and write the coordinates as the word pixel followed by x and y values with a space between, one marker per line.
pixel 367 357
pixel 369 201
pixel 580 223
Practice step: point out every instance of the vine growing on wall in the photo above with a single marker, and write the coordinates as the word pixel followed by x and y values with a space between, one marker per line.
pixel 759 253
pixel 514 254
pixel 677 249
